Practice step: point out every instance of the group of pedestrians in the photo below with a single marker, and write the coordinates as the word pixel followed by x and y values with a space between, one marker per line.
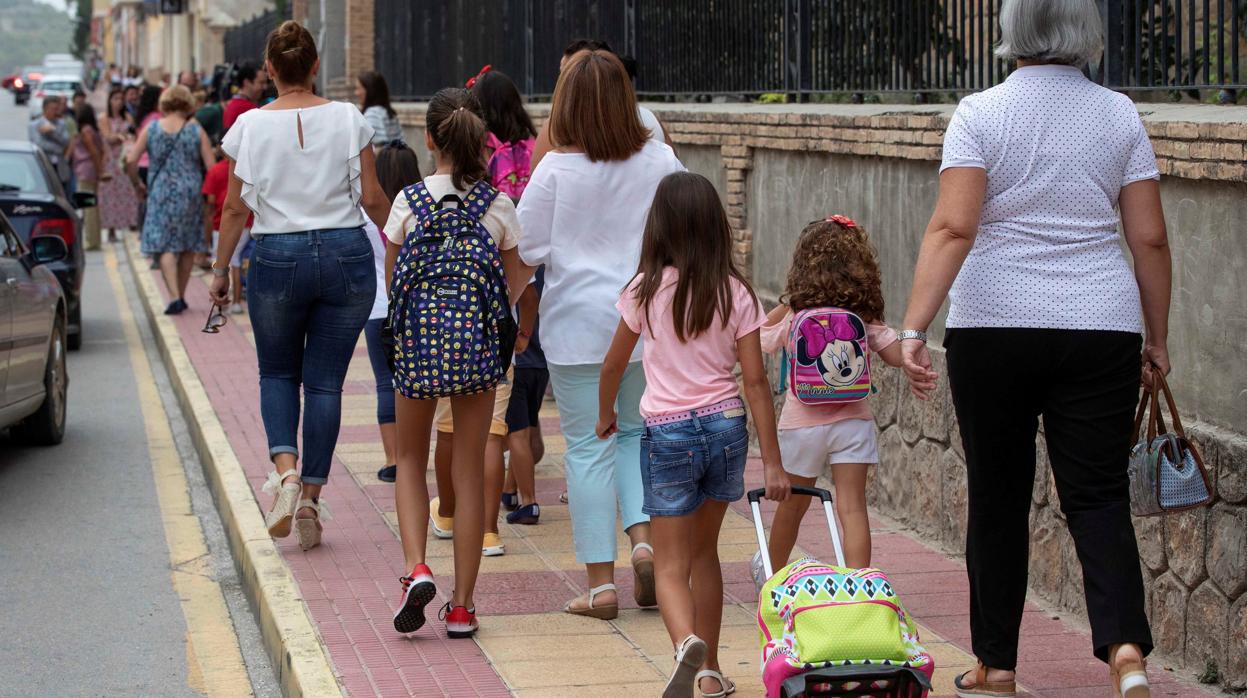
pixel 653 340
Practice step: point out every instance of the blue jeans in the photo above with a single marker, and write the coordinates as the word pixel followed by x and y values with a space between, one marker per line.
pixel 380 371
pixel 600 471
pixel 309 294
pixel 685 463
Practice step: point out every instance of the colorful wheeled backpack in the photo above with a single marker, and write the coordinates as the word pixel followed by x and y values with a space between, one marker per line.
pixel 453 333
pixel 825 626
pixel 827 359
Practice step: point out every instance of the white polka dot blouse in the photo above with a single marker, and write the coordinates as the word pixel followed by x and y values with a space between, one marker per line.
pixel 1057 149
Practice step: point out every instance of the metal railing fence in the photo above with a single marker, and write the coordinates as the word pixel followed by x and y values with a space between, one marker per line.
pixel 245 42
pixel 687 48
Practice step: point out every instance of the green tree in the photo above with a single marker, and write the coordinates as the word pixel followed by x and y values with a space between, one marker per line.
pixel 82 29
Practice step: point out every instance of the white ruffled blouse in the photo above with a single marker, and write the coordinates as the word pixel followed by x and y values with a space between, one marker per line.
pixel 293 187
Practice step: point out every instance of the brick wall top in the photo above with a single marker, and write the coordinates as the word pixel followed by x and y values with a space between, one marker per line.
pixel 1191 141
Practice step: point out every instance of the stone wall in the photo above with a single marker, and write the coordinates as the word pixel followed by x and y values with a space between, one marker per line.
pixel 780 166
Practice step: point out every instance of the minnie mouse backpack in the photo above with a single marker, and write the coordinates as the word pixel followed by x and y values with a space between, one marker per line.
pixel 510 165
pixel 827 357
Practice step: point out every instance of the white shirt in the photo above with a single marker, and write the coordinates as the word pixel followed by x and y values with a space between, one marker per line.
pixel 1057 149
pixel 381 303
pixel 500 220
pixel 649 121
pixel 293 188
pixel 584 221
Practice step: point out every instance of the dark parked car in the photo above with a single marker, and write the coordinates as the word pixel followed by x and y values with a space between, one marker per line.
pixel 36 205
pixel 33 381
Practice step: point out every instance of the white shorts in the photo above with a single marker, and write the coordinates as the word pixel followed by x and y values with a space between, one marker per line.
pixel 236 260
pixel 807 450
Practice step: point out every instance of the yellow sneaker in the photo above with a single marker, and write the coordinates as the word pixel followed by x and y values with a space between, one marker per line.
pixel 492 545
pixel 443 526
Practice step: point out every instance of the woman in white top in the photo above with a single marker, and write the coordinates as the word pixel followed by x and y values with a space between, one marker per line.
pixel 1047 319
pixel 304 166
pixel 373 94
pixel 583 214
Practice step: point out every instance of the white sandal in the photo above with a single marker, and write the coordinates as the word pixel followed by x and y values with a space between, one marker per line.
pixel 643 588
pixel 726 686
pixel 605 612
pixel 308 530
pixel 278 519
pixel 688 657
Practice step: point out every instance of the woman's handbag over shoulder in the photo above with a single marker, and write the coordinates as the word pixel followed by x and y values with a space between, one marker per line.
pixel 1166 473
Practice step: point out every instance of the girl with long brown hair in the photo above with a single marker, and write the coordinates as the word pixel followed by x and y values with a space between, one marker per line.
pixel 700 319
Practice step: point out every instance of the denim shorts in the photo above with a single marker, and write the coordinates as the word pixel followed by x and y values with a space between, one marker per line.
pixel 687 462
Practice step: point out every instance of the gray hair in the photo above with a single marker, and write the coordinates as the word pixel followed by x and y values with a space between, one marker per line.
pixel 1050 31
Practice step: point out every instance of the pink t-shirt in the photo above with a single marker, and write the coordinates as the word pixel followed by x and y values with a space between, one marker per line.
pixel 699 372
pixel 797 414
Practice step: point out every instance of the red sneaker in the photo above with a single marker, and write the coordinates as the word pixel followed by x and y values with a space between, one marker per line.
pixel 418 591
pixel 460 621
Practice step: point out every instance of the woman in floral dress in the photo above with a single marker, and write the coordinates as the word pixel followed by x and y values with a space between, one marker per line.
pixel 173 225
pixel 118 205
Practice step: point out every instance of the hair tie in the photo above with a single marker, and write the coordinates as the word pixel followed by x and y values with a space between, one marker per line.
pixel 842 220
pixel 292 50
pixel 472 80
pixel 459 109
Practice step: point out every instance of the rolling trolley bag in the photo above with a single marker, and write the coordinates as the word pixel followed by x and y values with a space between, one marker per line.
pixel 828 630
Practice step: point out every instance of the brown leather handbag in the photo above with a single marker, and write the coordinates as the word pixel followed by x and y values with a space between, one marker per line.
pixel 1167 474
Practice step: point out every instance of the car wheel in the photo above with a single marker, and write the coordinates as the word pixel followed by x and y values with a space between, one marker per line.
pixel 47 426
pixel 75 337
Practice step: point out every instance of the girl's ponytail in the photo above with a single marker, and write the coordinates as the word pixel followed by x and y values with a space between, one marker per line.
pixel 454 120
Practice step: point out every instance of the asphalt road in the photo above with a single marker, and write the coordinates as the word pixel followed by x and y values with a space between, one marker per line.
pixel 87 599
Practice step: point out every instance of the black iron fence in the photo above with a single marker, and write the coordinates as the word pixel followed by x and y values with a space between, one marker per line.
pixel 796 47
pixel 245 42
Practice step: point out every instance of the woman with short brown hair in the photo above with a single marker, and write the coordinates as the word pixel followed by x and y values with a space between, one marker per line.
pixel 173 223
pixel 583 213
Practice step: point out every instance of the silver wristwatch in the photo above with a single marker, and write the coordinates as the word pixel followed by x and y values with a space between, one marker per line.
pixel 919 335
pixel 220 272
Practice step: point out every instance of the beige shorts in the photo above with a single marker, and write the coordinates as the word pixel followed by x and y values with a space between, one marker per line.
pixel 497 427
pixel 807 451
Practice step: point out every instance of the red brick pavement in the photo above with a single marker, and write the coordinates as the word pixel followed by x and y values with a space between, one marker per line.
pixel 350 582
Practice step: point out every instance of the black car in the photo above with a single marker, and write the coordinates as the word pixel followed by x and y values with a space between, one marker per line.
pixel 24 83
pixel 33 380
pixel 36 205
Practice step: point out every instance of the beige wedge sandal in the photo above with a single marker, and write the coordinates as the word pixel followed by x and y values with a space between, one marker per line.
pixel 308 529
pixel 279 519
pixel 605 612
pixel 644 590
pixel 1130 679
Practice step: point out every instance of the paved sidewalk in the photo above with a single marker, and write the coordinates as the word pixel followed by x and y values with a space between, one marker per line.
pixel 526 646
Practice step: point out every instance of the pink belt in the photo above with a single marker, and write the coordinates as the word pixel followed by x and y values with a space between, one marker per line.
pixel 729 404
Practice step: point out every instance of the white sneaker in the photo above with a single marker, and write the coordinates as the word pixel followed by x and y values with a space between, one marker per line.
pixel 758 570
pixel 236 309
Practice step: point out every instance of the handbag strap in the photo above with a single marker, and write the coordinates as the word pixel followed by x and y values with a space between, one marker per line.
pixel 155 171
pixel 1173 407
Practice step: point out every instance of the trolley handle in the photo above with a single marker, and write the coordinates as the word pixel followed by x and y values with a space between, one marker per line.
pixel 760 493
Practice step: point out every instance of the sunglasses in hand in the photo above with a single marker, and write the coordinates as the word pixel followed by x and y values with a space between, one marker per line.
pixel 216 319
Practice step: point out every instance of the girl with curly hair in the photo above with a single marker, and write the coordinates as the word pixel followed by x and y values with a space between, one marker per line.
pixel 833 266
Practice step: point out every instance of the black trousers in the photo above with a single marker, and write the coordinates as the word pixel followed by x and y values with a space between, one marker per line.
pixel 1085 385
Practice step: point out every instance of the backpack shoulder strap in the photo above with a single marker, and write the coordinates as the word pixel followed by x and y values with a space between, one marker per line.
pixel 421 203
pixel 479 199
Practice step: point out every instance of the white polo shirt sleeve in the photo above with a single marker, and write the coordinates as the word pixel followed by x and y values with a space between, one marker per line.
pixel 1142 162
pixel 962 147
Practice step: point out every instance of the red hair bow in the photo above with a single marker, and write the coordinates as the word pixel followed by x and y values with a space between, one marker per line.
pixel 842 220
pixel 472 80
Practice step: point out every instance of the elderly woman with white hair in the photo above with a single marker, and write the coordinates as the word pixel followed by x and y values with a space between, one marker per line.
pixel 1047 318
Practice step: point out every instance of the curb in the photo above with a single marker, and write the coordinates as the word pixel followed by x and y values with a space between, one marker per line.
pixel 298 657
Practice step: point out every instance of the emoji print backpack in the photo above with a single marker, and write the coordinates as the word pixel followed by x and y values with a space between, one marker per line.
pixel 828 360
pixel 450 321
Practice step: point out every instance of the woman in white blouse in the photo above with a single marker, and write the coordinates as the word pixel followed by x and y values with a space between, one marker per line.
pixel 583 213
pixel 1047 319
pixel 304 167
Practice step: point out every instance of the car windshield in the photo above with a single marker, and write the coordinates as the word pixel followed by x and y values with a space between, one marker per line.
pixel 21 172
pixel 58 86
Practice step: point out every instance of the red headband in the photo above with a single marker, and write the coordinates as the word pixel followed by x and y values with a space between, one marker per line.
pixel 472 80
